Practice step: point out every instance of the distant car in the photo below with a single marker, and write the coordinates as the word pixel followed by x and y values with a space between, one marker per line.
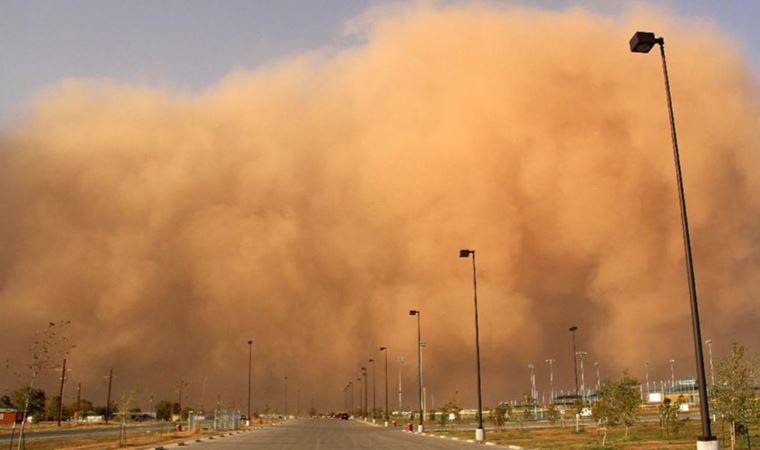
pixel 344 416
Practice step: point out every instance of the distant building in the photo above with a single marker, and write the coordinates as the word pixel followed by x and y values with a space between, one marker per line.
pixel 9 416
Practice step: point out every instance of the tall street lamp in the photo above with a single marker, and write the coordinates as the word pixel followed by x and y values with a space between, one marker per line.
pixel 414 312
pixel 366 404
pixel 642 42
pixel 385 353
pixel 672 375
pixel 351 383
pixel 583 374
pixel 285 398
pixel 374 385
pixel 712 369
pixel 250 353
pixel 551 361
pixel 480 433
pixel 573 329
pixel 646 375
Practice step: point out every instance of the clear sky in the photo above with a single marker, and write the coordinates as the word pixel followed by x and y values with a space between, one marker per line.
pixel 190 44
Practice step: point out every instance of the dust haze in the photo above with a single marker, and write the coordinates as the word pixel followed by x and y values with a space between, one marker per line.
pixel 310 203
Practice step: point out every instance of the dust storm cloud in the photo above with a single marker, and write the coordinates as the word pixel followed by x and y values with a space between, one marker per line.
pixel 309 204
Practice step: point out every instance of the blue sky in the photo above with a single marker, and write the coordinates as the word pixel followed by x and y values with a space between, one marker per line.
pixel 190 44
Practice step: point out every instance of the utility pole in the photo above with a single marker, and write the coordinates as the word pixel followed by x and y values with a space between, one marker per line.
pixel 108 399
pixel 60 393
pixel 79 402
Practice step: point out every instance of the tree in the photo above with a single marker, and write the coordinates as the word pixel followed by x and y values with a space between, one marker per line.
pixel 551 413
pixel 6 402
pixel 669 419
pixel 618 403
pixel 164 410
pixel 34 397
pixel 733 396
pixel 498 415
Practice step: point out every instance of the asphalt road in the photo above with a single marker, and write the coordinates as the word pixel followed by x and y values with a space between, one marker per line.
pixel 329 434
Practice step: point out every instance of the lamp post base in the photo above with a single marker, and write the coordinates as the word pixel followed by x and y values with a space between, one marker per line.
pixel 480 435
pixel 712 444
pixel 420 429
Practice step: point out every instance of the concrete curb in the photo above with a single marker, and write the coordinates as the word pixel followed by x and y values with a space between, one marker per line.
pixel 197 440
pixel 469 441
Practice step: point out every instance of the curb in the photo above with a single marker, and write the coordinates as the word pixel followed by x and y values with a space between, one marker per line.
pixel 469 441
pixel 197 440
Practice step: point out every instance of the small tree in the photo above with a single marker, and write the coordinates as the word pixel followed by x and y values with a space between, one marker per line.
pixel 498 415
pixel 551 413
pixel 618 403
pixel 733 396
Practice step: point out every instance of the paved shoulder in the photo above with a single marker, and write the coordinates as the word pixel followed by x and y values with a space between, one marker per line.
pixel 329 434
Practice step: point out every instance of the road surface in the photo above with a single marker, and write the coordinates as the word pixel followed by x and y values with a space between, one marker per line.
pixel 330 434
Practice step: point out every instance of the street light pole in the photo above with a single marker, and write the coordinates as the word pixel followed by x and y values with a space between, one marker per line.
pixel 573 329
pixel 550 361
pixel 385 353
pixel 250 357
pixel 480 433
pixel 672 376
pixel 642 42
pixel 366 403
pixel 374 386
pixel 598 379
pixel 646 375
pixel 285 397
pixel 712 369
pixel 414 312
pixel 583 375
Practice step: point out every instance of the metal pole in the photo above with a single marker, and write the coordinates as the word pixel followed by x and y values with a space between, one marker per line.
pixel 551 377
pixel 696 328
pixel 598 379
pixel 374 386
pixel 712 369
pixel 366 398
pixel 250 352
pixel 79 401
pixel 646 374
pixel 672 376
pixel 60 393
pixel 400 385
pixel 285 402
pixel 385 352
pixel 108 399
pixel 480 433
pixel 575 360
pixel 419 365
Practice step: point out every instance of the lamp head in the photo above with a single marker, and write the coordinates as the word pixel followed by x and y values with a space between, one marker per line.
pixel 464 253
pixel 643 41
pixel 250 342
pixel 413 312
pixel 573 328
pixel 383 348
pixel 371 360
